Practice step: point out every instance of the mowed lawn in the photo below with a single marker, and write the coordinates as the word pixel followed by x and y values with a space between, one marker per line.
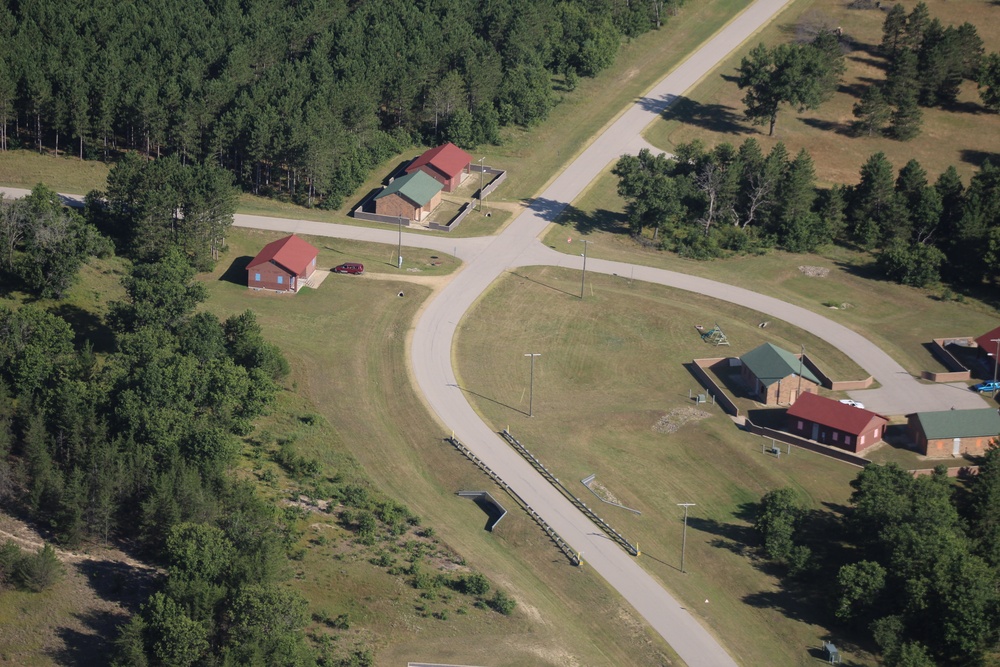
pixel 346 345
pixel 612 367
pixel 899 319
pixel 963 137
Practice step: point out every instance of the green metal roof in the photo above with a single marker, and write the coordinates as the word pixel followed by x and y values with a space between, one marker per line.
pixel 960 423
pixel 771 364
pixel 416 186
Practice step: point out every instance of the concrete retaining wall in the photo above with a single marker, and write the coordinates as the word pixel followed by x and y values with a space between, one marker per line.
pixel 957 372
pixel 843 385
pixel 698 369
pixel 832 452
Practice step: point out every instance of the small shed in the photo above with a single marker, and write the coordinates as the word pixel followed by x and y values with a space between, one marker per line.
pixel 447 164
pixel 954 432
pixel 412 196
pixel 834 423
pixel 986 343
pixel 772 374
pixel 283 265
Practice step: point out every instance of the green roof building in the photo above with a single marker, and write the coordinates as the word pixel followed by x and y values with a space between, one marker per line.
pixel 772 374
pixel 412 196
pixel 954 432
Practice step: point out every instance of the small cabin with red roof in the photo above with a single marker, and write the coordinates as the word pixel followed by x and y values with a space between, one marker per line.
pixel 447 164
pixel 834 423
pixel 283 265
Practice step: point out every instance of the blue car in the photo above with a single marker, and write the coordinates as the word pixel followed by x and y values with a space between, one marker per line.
pixel 982 387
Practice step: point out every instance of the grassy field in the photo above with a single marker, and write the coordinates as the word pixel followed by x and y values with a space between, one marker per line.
pixel 898 319
pixel 611 378
pixel 344 342
pixel 963 137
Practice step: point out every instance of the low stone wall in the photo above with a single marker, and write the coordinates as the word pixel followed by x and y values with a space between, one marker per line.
pixel 455 222
pixel 957 372
pixel 698 369
pixel 832 452
pixel 843 385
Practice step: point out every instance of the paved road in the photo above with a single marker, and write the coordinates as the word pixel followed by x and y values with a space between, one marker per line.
pixel 487 258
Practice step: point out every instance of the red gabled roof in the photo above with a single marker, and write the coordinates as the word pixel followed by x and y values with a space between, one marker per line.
pixel 986 341
pixel 449 159
pixel 828 412
pixel 291 252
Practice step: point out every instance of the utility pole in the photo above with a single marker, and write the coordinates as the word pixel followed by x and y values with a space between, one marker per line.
pixel 583 277
pixel 684 535
pixel 802 356
pixel 531 384
pixel 481 183
pixel 996 359
pixel 399 243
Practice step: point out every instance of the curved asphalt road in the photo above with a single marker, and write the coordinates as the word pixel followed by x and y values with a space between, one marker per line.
pixel 487 258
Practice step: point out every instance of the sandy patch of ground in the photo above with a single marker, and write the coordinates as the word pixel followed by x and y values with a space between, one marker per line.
pixel 815 271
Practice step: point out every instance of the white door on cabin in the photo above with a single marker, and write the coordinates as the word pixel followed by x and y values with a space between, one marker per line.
pixel 956 446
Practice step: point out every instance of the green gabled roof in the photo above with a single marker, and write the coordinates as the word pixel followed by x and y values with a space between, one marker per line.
pixel 960 423
pixel 416 186
pixel 770 364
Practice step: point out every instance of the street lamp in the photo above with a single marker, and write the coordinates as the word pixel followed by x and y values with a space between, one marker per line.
pixel 583 277
pixel 531 383
pixel 996 358
pixel 399 243
pixel 481 183
pixel 684 535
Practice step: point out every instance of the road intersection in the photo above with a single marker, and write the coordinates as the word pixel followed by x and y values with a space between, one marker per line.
pixel 487 258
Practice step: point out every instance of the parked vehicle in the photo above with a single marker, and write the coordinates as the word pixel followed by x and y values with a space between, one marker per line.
pixel 853 404
pixel 988 386
pixel 350 267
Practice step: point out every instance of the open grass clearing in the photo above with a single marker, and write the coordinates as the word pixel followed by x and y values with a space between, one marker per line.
pixel 612 367
pixel 26 169
pixel 964 137
pixel 345 342
pixel 900 319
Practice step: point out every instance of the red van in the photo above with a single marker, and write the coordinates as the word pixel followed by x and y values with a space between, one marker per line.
pixel 350 267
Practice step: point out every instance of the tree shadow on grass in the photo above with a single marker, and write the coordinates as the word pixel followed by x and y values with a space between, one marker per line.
pixel 87 326
pixel 236 273
pixel 977 157
pixel 603 220
pixel 843 129
pixel 712 117
pixel 82 649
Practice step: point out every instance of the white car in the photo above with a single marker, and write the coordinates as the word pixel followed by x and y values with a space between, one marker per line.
pixel 853 404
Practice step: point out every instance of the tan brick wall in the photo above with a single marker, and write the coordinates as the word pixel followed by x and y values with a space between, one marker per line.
pixel 396 206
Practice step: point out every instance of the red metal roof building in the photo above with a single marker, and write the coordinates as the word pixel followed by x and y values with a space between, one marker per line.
pixel 447 164
pixel 283 265
pixel 834 423
pixel 985 342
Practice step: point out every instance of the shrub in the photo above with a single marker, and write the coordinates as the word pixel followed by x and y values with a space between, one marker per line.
pixel 38 572
pixel 503 603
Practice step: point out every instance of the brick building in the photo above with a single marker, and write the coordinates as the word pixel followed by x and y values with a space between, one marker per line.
pixel 447 164
pixel 412 196
pixel 834 423
pixel 283 265
pixel 772 375
pixel 954 432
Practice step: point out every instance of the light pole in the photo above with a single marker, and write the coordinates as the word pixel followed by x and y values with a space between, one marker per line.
pixel 802 356
pixel 399 243
pixel 996 359
pixel 531 382
pixel 684 535
pixel 481 183
pixel 583 277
